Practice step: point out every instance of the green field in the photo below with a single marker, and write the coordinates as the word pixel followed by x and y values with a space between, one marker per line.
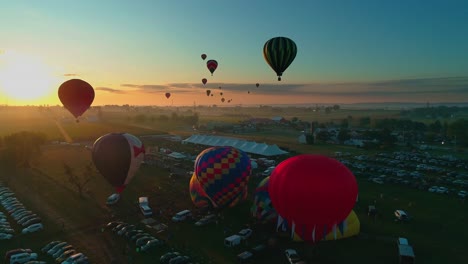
pixel 437 232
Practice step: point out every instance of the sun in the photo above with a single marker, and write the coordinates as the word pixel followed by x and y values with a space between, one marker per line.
pixel 25 78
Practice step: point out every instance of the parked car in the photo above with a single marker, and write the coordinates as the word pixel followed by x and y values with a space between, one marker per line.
pixel 32 228
pixel 462 194
pixel 60 251
pixel 144 206
pixel 206 220
pixel 292 256
pixel 35 220
pixel 245 233
pixel 139 235
pixel 5 236
pixel 179 260
pixel 168 256
pixel 150 244
pixel 50 245
pixel 22 257
pixel 401 215
pixel 113 199
pixel 125 229
pixel 12 252
pixel 58 246
pixel 182 215
pixel 143 240
pixel 73 258
pixel 65 255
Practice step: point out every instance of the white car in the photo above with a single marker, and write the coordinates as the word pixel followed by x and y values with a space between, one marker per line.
pixel 292 256
pixel 32 228
pixel 245 233
pixel 4 236
pixel 113 199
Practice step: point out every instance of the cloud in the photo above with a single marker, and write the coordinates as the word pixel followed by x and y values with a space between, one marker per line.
pixel 110 90
pixel 415 88
pixel 70 74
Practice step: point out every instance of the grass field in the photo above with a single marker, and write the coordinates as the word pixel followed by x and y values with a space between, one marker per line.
pixel 437 232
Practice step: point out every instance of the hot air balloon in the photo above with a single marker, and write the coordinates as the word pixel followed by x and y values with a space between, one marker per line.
pixel 204 80
pixel 117 156
pixel 257 84
pixel 76 96
pixel 313 193
pixel 203 56
pixel 223 173
pixel 212 65
pixel 208 92
pixel 262 209
pixel 279 53
pixel 212 94
pixel 168 95
pixel 222 100
pixel 197 194
pixel 221 93
pixel 220 87
pixel 248 92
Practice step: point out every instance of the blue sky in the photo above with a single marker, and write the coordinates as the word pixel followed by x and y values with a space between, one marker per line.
pixel 110 43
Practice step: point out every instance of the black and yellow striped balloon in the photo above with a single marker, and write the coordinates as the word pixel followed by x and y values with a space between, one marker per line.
pixel 279 53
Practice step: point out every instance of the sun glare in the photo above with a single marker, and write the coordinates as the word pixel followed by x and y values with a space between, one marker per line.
pixel 25 78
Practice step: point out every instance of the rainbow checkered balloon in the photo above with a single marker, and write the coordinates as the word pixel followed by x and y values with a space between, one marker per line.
pixel 223 173
pixel 197 194
pixel 262 209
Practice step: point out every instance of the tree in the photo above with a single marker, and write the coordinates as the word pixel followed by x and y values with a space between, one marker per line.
pixel 364 121
pixel 336 107
pixel 294 119
pixel 23 146
pixel 79 182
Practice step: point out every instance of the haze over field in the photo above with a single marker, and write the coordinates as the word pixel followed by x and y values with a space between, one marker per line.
pixel 133 53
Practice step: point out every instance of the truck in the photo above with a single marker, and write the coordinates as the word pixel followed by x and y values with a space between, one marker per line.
pixel 232 241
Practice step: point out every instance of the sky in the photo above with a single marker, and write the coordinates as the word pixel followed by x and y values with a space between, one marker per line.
pixel 133 52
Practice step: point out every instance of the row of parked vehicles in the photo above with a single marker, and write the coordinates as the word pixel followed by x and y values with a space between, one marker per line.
pixel 143 240
pixel 64 253
pixel 29 221
pixel 22 255
pixel 174 257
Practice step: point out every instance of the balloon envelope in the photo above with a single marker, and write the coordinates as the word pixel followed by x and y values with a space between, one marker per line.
pixel 168 95
pixel 204 80
pixel 76 96
pixel 257 84
pixel 262 208
pixel 212 65
pixel 117 156
pixel 203 56
pixel 279 53
pixel 208 92
pixel 313 192
pixel 223 173
pixel 197 194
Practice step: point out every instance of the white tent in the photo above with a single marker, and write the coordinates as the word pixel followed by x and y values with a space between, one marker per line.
pixel 247 146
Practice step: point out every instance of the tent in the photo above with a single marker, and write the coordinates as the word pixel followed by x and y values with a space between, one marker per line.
pixel 247 146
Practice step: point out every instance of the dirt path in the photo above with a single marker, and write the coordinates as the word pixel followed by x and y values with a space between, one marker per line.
pixel 85 237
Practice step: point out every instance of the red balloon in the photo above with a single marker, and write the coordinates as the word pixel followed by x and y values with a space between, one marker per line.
pixel 204 80
pixel 76 96
pixel 168 95
pixel 313 193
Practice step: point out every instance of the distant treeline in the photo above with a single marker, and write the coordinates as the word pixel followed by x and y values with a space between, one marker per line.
pixel 17 150
pixel 435 112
